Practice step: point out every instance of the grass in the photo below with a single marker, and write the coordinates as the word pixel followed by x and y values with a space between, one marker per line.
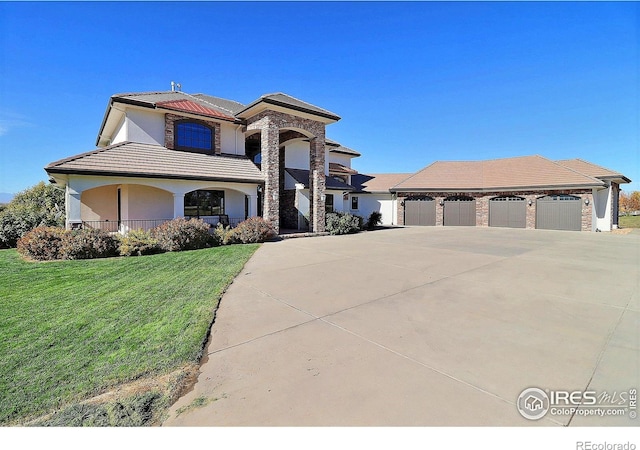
pixel 629 221
pixel 71 330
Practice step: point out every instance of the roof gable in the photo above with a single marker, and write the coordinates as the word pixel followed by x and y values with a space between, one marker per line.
pixel 288 102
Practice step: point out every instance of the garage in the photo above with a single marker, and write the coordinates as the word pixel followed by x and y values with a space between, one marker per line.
pixel 559 212
pixel 420 211
pixel 459 211
pixel 507 211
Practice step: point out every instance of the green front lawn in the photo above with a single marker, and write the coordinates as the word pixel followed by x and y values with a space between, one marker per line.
pixel 629 221
pixel 71 330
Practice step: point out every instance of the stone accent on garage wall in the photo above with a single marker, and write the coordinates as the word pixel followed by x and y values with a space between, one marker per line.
pixel 482 204
pixel 169 131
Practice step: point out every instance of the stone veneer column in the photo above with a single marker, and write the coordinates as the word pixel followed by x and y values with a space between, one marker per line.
pixel 317 183
pixel 271 171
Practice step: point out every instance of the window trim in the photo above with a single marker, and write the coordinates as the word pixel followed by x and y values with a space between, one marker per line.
pixel 177 146
pixel 357 203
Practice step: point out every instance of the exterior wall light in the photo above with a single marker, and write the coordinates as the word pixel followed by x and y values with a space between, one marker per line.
pixel 530 202
pixel 441 202
pixel 586 201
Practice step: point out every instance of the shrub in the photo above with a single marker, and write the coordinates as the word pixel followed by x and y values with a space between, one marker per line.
pixel 222 235
pixel 252 230
pixel 375 218
pixel 42 243
pixel 138 243
pixel 88 244
pixel 40 205
pixel 343 223
pixel 182 234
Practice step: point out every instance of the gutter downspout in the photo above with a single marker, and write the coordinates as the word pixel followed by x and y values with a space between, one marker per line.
pixel 236 137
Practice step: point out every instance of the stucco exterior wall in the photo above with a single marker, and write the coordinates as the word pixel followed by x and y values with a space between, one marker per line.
pixel 231 139
pixel 100 203
pixel 146 202
pixel 145 126
pixel 382 203
pixel 339 158
pixel 120 134
pixel 602 209
pixel 296 155
pixel 234 204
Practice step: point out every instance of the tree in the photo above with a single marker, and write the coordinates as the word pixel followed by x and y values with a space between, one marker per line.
pixel 39 205
pixel 629 202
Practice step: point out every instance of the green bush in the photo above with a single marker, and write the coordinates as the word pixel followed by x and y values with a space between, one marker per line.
pixel 138 243
pixel 42 243
pixel 252 230
pixel 182 234
pixel 375 218
pixel 88 244
pixel 343 223
pixel 40 205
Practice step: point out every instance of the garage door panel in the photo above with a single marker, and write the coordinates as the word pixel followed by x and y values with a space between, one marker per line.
pixel 460 211
pixel 559 212
pixel 420 212
pixel 507 212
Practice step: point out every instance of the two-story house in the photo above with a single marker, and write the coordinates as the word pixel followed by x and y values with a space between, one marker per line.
pixel 163 155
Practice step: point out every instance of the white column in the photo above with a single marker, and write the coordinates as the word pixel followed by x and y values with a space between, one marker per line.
pixel 178 205
pixel 253 205
pixel 73 206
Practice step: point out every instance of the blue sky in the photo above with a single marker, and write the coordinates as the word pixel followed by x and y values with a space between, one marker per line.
pixel 413 82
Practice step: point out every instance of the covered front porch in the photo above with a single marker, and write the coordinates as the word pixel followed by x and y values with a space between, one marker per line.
pixel 121 205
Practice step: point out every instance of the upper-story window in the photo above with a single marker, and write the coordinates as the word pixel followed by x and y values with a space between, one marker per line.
pixel 194 137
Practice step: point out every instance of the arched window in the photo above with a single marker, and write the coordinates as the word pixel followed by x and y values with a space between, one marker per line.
pixel 194 137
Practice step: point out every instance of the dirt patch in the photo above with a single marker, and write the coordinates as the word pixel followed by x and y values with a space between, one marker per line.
pixel 162 391
pixel 622 231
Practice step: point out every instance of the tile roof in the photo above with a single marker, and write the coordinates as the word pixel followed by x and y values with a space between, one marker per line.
pixel 498 174
pixel 340 169
pixel 288 101
pixel 343 149
pixel 145 160
pixel 590 169
pixel 302 176
pixel 377 182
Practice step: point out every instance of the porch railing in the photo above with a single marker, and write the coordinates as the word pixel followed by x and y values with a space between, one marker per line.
pixel 123 226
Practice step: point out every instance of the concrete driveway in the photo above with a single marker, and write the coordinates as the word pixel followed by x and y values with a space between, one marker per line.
pixel 422 326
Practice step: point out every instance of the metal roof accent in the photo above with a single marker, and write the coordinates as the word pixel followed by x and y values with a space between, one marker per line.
pixel 192 107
